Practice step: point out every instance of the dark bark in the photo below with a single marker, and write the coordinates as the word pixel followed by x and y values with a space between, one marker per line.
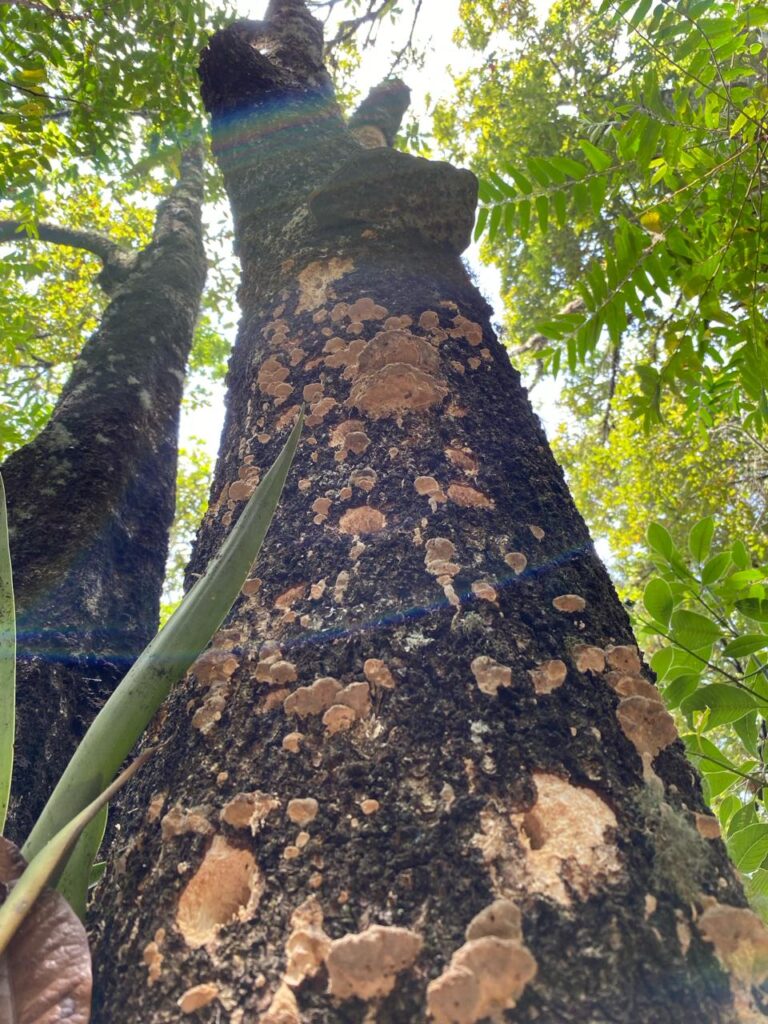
pixel 91 500
pixel 409 714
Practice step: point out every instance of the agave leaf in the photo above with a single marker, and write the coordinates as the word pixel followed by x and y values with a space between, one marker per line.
pixel 7 663
pixel 42 868
pixel 45 975
pixel 76 877
pixel 125 716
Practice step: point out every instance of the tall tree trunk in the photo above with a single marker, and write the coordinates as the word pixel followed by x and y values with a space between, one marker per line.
pixel 91 498
pixel 421 772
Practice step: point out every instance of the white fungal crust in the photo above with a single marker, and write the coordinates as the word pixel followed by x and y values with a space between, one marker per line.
pixel 488 974
pixel 307 946
pixel 566 839
pixel 316 280
pixel 226 887
pixel 365 965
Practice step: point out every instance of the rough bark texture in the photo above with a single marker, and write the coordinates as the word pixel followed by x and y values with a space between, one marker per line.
pixel 91 500
pixel 428 698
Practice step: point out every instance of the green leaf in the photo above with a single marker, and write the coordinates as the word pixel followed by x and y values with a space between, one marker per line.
pixel 519 179
pixel 7 663
pixel 754 608
pixel 746 729
pixel 599 160
pixel 719 772
pixel 728 806
pixel 524 209
pixel 679 689
pixel 482 217
pixel 738 124
pixel 740 555
pixel 658 600
pixel 542 212
pixel 700 538
pixel 493 224
pixel 661 661
pixel 715 567
pixel 75 880
pixel 745 645
pixel 694 631
pixel 725 703
pixel 125 716
pixel 743 817
pixel 748 847
pixel 659 539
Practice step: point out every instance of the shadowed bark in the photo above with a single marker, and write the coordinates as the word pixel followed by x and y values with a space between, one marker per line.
pixel 91 499
pixel 421 773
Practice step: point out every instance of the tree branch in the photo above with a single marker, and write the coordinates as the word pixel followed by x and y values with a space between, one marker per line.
pixel 116 261
pixel 377 120
pixel 347 29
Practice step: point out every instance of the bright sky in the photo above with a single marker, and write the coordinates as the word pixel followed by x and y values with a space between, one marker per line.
pixel 437 23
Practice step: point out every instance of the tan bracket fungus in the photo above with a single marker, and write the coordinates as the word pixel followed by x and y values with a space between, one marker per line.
pixel 487 975
pixel 489 675
pixel 398 372
pixel 249 810
pixel 549 675
pixel 365 965
pixel 642 716
pixel 741 943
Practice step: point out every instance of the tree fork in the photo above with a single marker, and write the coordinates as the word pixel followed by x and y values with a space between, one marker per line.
pixel 421 772
pixel 91 498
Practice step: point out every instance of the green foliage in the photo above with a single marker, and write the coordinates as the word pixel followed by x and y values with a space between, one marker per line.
pixel 676 473
pixel 666 174
pixel 65 96
pixel 50 300
pixel 192 483
pixel 706 618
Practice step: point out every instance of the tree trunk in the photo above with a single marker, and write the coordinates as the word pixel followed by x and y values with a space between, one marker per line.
pixel 91 498
pixel 425 721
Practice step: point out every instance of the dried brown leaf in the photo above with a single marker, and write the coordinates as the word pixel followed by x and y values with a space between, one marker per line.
pixel 45 976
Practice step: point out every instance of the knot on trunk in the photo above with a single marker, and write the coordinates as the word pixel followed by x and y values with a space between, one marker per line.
pixel 395 194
